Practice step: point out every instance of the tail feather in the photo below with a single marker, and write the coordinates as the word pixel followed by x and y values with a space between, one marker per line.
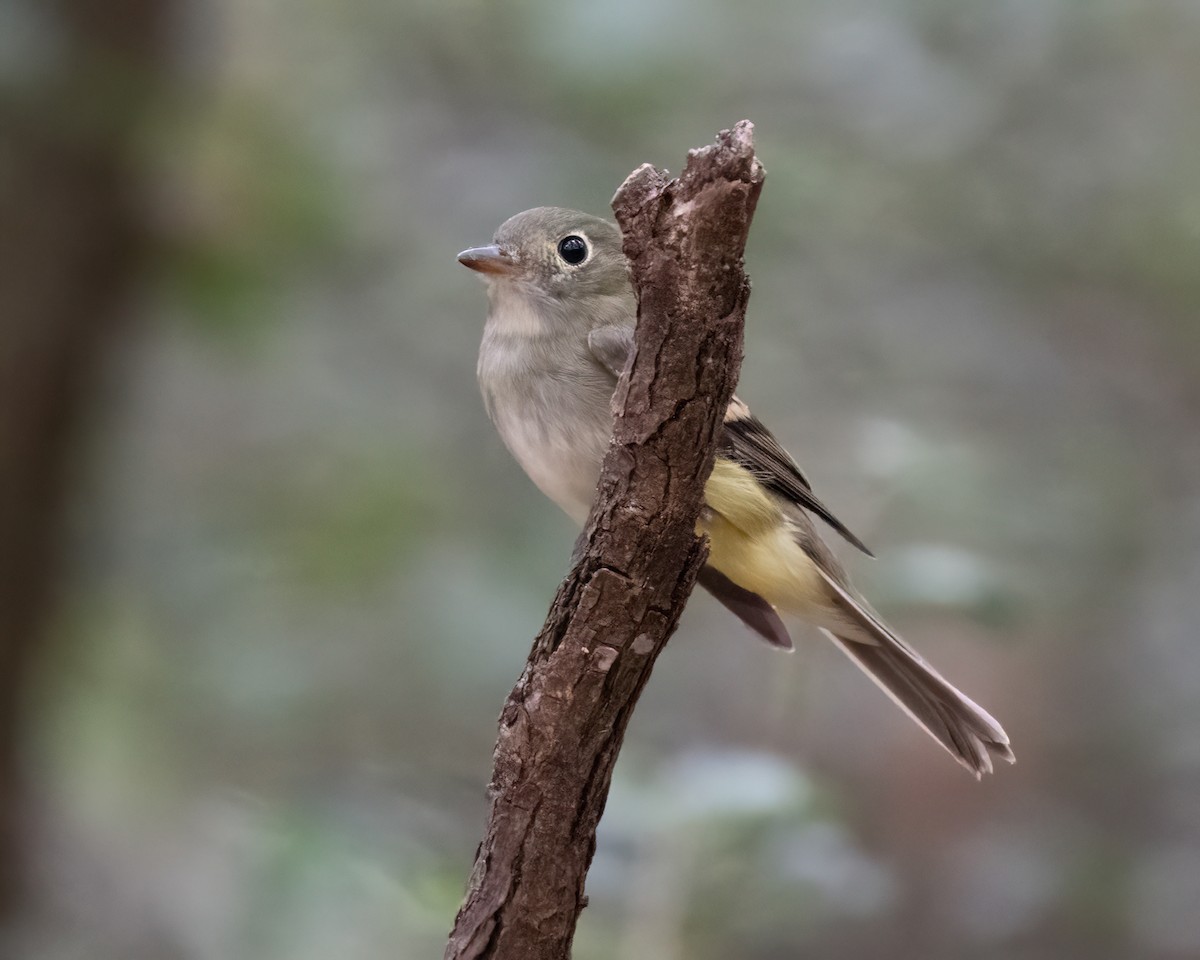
pixel 968 732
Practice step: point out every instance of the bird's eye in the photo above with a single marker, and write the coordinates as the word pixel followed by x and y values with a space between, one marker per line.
pixel 573 249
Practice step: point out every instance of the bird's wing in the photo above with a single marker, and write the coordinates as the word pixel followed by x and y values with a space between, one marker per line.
pixel 751 445
pixel 755 612
pixel 745 440
pixel 612 346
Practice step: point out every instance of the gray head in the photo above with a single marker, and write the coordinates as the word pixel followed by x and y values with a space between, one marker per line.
pixel 552 253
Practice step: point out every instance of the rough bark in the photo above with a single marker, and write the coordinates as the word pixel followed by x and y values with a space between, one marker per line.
pixel 69 245
pixel 564 721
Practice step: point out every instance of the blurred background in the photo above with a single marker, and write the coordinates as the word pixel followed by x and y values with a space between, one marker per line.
pixel 269 574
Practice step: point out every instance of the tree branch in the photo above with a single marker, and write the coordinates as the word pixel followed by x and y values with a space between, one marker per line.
pixel 564 721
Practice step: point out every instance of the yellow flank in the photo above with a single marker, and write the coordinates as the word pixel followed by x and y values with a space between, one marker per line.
pixel 752 542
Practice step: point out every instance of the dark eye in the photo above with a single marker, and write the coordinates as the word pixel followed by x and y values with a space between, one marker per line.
pixel 573 249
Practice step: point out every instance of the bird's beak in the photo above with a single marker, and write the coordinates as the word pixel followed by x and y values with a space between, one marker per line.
pixel 490 259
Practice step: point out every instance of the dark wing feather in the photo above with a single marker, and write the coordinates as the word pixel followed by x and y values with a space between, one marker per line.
pixel 750 444
pixel 746 441
pixel 755 612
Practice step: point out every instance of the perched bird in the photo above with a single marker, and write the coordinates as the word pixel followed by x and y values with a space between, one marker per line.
pixel 558 333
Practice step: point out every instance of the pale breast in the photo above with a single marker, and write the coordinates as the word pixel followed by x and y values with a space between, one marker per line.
pixel 551 405
pixel 564 463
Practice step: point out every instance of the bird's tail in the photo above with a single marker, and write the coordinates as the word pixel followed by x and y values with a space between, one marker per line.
pixel 968 732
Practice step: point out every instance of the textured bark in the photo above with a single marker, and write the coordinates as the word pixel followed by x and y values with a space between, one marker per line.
pixel 564 721
pixel 69 245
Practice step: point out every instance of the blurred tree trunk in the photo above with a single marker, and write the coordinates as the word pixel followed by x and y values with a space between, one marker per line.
pixel 70 243
pixel 564 722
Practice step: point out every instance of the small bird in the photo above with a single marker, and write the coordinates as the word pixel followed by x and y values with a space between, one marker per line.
pixel 559 331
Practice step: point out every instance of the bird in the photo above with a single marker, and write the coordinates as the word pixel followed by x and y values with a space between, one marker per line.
pixel 559 330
